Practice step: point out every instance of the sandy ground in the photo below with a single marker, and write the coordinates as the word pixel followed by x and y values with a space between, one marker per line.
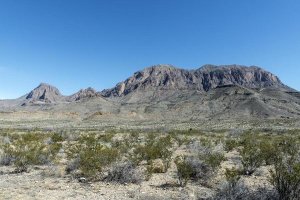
pixel 35 185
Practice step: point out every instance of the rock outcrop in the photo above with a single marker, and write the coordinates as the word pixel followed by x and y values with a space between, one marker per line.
pixel 205 78
pixel 44 93
pixel 83 94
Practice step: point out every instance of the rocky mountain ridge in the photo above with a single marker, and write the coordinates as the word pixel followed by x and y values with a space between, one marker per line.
pixel 164 92
pixel 205 78
pixel 168 77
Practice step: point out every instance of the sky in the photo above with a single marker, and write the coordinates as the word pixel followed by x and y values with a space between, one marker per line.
pixel 74 44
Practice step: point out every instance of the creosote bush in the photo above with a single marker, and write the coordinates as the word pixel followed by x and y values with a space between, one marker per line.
pixel 285 176
pixel 125 172
pixel 230 144
pixel 251 155
pixel 195 168
pixel 90 157
pixel 187 169
pixel 29 149
pixel 269 151
pixel 286 180
pixel 154 148
pixel 213 159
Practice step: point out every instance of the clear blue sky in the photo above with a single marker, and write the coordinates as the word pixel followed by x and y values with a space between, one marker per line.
pixel 74 44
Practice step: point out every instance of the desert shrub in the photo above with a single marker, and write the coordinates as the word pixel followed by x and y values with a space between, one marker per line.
pixel 213 159
pixel 191 168
pixel 89 156
pixel 73 165
pixel 242 192
pixel 29 149
pixel 107 137
pixel 185 170
pixel 205 142
pixel 197 146
pixel 232 177
pixel 126 143
pixel 232 189
pixel 231 144
pixel 268 151
pixel 154 148
pixel 179 139
pixel 56 137
pixel 156 166
pixel 288 146
pixel 204 160
pixel 6 157
pixel 251 156
pixel 285 177
pixel 125 172
pixel 238 192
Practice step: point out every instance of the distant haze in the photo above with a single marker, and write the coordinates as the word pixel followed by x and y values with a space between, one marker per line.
pixel 77 44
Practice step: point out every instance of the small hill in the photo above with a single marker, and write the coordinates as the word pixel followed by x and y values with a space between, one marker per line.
pixel 83 94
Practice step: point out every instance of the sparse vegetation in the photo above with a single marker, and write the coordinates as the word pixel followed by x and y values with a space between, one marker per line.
pixel 251 156
pixel 154 148
pixel 30 149
pixel 285 176
pixel 89 156
pixel 136 157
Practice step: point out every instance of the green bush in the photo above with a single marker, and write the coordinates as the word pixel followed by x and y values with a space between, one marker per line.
pixel 90 156
pixel 154 148
pixel 268 150
pixel 289 146
pixel 29 149
pixel 186 170
pixel 286 179
pixel 232 176
pixel 192 168
pixel 285 176
pixel 251 155
pixel 230 144
pixel 56 137
pixel 213 160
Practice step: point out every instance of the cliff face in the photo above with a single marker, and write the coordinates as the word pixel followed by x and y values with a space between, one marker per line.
pixel 249 77
pixel 203 79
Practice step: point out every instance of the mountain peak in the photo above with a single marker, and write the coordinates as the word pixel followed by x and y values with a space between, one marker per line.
pixel 42 84
pixel 83 94
pixel 44 93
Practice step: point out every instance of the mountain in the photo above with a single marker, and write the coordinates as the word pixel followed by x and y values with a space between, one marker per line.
pixel 44 93
pixel 83 94
pixel 167 77
pixel 164 93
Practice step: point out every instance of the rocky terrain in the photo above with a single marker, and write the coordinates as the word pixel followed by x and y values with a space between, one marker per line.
pixel 165 94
